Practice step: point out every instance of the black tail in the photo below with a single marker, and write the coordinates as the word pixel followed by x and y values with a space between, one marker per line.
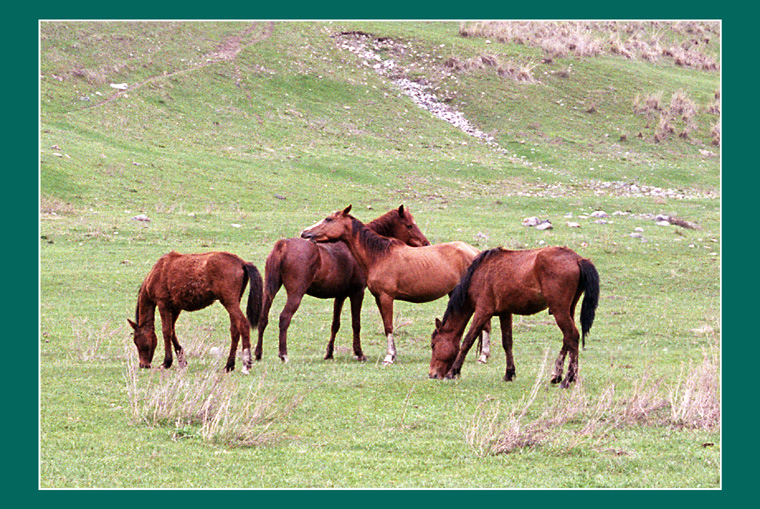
pixel 253 310
pixel 272 270
pixel 590 284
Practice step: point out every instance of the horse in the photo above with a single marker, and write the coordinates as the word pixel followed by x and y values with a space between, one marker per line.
pixel 501 283
pixel 189 282
pixel 326 271
pixel 394 270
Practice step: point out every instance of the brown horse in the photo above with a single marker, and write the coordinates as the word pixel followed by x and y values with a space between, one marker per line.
pixel 394 270
pixel 502 283
pixel 326 271
pixel 189 282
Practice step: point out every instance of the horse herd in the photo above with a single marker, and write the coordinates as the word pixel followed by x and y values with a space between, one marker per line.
pixel 338 257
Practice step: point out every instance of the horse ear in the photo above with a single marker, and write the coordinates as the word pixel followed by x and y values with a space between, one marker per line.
pixel 347 210
pixel 133 324
pixel 438 324
pixel 401 211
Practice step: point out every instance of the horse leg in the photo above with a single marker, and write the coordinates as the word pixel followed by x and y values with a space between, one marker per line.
pixel 263 322
pixel 485 348
pixel 385 305
pixel 505 321
pixel 356 324
pixel 559 366
pixel 239 326
pixel 167 329
pixel 291 306
pixel 479 321
pixel 570 340
pixel 181 361
pixel 335 327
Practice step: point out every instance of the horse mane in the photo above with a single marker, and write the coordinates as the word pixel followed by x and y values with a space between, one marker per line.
pixel 373 242
pixel 383 225
pixel 458 299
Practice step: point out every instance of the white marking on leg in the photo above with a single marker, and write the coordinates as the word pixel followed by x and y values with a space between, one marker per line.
pixel 485 350
pixel 390 355
pixel 247 361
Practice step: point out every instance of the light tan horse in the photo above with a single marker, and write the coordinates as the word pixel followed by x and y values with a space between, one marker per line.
pixel 394 270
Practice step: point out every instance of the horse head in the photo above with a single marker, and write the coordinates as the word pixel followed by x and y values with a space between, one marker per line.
pixel 407 231
pixel 331 229
pixel 445 348
pixel 145 340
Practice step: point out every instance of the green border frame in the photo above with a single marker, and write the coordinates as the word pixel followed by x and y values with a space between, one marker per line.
pixel 20 89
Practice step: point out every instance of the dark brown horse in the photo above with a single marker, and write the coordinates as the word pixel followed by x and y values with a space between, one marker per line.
pixel 502 283
pixel 189 282
pixel 326 271
pixel 394 270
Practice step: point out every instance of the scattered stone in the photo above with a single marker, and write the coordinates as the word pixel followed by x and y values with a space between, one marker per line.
pixel 573 225
pixel 531 221
pixel 141 217
pixel 599 213
pixel 119 86
pixel 544 225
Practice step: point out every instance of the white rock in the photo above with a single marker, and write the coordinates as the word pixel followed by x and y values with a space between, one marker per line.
pixel 545 225
pixel 531 221
pixel 141 217
pixel 599 213
pixel 119 86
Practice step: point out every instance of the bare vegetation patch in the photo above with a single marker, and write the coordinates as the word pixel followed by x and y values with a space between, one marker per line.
pixel 511 69
pixel 575 417
pixel 210 405
pixel 633 40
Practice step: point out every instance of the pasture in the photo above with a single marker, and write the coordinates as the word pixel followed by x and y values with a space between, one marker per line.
pixel 232 136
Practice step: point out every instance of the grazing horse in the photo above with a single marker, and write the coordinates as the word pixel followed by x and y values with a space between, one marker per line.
pixel 326 271
pixel 502 283
pixel 394 270
pixel 189 282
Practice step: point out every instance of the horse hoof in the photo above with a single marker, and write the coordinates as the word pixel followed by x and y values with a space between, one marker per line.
pixel 509 377
pixel 556 379
pixel 483 359
pixel 361 358
pixel 246 370
pixel 329 357
pixel 284 359
pixel 389 359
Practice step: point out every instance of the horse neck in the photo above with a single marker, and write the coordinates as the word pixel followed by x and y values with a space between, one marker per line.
pixel 365 245
pixel 457 320
pixel 383 225
pixel 145 314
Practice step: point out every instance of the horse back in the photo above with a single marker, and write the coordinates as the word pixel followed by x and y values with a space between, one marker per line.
pixel 194 281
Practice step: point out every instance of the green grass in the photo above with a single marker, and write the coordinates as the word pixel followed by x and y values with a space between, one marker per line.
pixel 238 154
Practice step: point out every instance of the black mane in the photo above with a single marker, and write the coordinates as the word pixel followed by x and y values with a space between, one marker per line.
pixel 372 241
pixel 459 300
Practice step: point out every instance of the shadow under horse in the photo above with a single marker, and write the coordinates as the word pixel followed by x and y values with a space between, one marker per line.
pixel 326 271
pixel 189 282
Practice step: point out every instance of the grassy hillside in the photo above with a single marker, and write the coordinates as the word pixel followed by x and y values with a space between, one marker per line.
pixel 230 136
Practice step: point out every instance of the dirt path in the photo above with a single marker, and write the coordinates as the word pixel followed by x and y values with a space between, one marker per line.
pixel 227 51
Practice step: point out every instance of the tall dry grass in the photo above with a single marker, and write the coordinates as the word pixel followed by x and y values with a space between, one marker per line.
pixel 212 405
pixel 633 40
pixel 574 417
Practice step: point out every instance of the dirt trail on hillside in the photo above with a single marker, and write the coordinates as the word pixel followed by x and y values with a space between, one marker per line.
pixel 227 51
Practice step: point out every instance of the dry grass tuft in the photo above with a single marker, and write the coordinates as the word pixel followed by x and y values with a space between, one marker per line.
pixel 515 71
pixel 632 40
pixel 574 418
pixel 210 405
pixel 88 340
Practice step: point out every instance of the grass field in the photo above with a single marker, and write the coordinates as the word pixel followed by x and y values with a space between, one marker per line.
pixel 233 135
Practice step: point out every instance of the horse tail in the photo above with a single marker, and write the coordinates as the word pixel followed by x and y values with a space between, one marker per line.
pixel 272 269
pixel 589 282
pixel 253 310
